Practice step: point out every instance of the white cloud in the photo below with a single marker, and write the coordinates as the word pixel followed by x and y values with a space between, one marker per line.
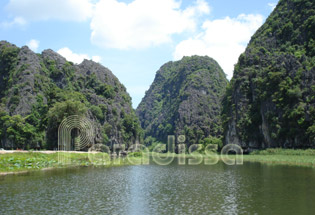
pixel 96 59
pixel 76 58
pixel 66 10
pixel 17 21
pixel 142 23
pixel 272 6
pixel 33 45
pixel 222 39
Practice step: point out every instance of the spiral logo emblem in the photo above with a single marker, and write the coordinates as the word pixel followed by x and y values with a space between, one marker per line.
pixel 84 139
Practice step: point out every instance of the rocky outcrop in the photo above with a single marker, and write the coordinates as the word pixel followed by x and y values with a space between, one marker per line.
pixel 270 101
pixel 33 84
pixel 184 99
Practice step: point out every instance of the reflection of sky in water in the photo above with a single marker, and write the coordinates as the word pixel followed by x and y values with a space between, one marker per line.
pixel 230 205
pixel 153 189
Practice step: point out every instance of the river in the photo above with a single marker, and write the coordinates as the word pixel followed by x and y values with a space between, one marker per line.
pixel 251 188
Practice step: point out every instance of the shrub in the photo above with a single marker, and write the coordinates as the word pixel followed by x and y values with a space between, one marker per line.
pixel 97 112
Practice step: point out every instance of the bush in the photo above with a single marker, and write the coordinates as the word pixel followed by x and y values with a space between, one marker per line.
pixel 135 154
pixel 97 112
pixel 213 141
pixel 154 145
pixel 22 134
pixel 105 90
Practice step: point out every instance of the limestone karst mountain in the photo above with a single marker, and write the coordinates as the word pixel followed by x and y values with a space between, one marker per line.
pixel 270 101
pixel 37 91
pixel 184 99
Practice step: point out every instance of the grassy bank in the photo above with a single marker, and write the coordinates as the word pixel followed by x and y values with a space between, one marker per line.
pixel 276 156
pixel 292 157
pixel 29 161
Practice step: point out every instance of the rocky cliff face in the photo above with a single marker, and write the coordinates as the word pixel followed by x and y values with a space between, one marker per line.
pixel 184 99
pixel 270 101
pixel 37 91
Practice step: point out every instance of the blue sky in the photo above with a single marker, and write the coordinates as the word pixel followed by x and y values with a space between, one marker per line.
pixel 134 38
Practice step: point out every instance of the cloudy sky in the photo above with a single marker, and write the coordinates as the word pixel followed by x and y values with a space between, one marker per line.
pixel 134 38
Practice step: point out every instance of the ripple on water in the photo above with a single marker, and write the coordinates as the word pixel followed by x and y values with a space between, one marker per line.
pixel 152 189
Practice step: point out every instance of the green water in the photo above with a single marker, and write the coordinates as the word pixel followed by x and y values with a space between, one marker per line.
pixel 251 188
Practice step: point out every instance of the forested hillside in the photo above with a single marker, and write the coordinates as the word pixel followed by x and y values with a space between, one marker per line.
pixel 37 91
pixel 184 99
pixel 270 101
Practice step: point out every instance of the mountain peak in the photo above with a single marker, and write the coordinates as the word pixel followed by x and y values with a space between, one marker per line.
pixel 184 99
pixel 40 90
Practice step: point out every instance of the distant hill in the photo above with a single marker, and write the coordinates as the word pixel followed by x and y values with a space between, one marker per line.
pixel 184 99
pixel 37 91
pixel 270 101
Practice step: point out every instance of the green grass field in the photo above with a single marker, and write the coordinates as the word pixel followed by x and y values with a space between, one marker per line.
pixel 293 157
pixel 28 161
pixel 274 156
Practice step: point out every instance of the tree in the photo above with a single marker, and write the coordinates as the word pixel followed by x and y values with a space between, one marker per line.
pixel 59 112
pixel 212 141
pixel 22 134
pixel 96 110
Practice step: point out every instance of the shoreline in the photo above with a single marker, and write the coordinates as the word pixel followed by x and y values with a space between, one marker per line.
pixel 44 151
pixel 26 171
pixel 20 162
pixel 288 160
pixel 17 162
pixel 268 159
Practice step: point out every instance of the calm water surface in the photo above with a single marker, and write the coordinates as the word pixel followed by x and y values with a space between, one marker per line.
pixel 252 188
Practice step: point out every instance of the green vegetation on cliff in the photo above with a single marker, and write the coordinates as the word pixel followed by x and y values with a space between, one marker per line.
pixel 184 99
pixel 38 91
pixel 270 101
